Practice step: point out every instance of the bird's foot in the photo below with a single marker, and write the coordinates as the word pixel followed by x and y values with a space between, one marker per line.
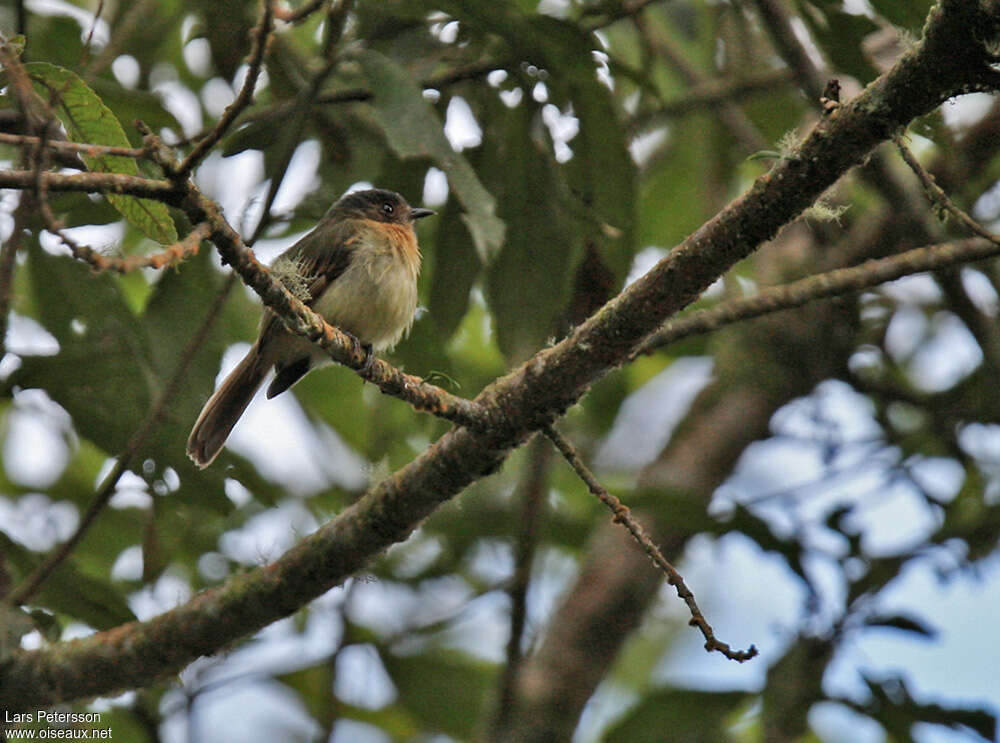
pixel 366 349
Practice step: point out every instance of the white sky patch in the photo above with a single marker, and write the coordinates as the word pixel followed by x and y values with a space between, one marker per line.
pixel 510 98
pixel 915 289
pixel 449 32
pixel 562 128
pixel 128 564
pixel 648 416
pixel 232 181
pixel 837 722
pixel 266 536
pixel 967 110
pixel 644 260
pixel 35 450
pixel 36 521
pixel 86 20
pixel 555 8
pixel 126 70
pixel 859 7
pixel 198 56
pixel 215 95
pixel 241 75
pixel 435 188
pixel 948 667
pixel 604 69
pixel 461 127
pixel 805 38
pixel 981 291
pixel 27 337
pixel 741 611
pixel 167 592
pixel 178 100
pixel 949 355
pixel 302 177
pixel 643 147
pixel 361 679
pixel 105 238
pixel 905 332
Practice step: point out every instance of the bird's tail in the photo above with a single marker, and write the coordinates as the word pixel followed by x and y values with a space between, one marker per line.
pixel 224 408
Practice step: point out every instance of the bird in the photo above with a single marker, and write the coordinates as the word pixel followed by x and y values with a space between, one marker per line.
pixel 357 268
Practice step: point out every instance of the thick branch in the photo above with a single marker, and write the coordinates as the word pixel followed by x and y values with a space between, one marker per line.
pixel 949 61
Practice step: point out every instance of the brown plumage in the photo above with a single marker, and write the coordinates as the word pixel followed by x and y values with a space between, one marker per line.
pixel 358 269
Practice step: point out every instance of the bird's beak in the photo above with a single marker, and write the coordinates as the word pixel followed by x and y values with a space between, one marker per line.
pixel 416 214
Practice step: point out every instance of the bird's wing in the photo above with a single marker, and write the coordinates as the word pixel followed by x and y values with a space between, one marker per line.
pixel 311 265
pixel 323 255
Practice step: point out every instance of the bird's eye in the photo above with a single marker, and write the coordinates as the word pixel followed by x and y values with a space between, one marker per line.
pixel 388 209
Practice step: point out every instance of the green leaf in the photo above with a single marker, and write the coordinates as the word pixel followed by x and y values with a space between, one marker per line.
pixel 69 591
pixel 413 129
pixel 101 374
pixel 446 690
pixel 528 282
pixel 453 273
pixel 902 622
pixel 131 104
pixel 335 396
pixel 840 35
pixel 910 14
pixel 314 685
pixel 672 202
pixel 673 710
pixel 896 709
pixel 601 174
pixel 86 119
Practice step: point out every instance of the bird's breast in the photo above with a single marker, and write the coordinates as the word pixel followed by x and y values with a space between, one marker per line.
pixel 375 297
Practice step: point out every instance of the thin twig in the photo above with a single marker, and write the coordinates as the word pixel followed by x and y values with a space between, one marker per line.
pixel 732 116
pixel 8 261
pixel 29 587
pixel 83 148
pixel 171 255
pixel 711 93
pixel 531 494
pixel 937 195
pixel 622 515
pixel 612 12
pixel 295 127
pixel 821 286
pixel 294 17
pixel 90 34
pixel 792 50
pixel 261 37
pixel 336 22
pixel 132 185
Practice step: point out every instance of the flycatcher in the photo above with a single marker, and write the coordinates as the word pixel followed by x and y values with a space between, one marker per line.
pixel 358 269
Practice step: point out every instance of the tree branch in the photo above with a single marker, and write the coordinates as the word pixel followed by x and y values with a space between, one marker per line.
pixel 821 286
pixel 623 515
pixel 132 185
pixel 261 37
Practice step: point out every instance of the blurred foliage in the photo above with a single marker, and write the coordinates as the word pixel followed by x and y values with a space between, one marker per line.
pixel 593 142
